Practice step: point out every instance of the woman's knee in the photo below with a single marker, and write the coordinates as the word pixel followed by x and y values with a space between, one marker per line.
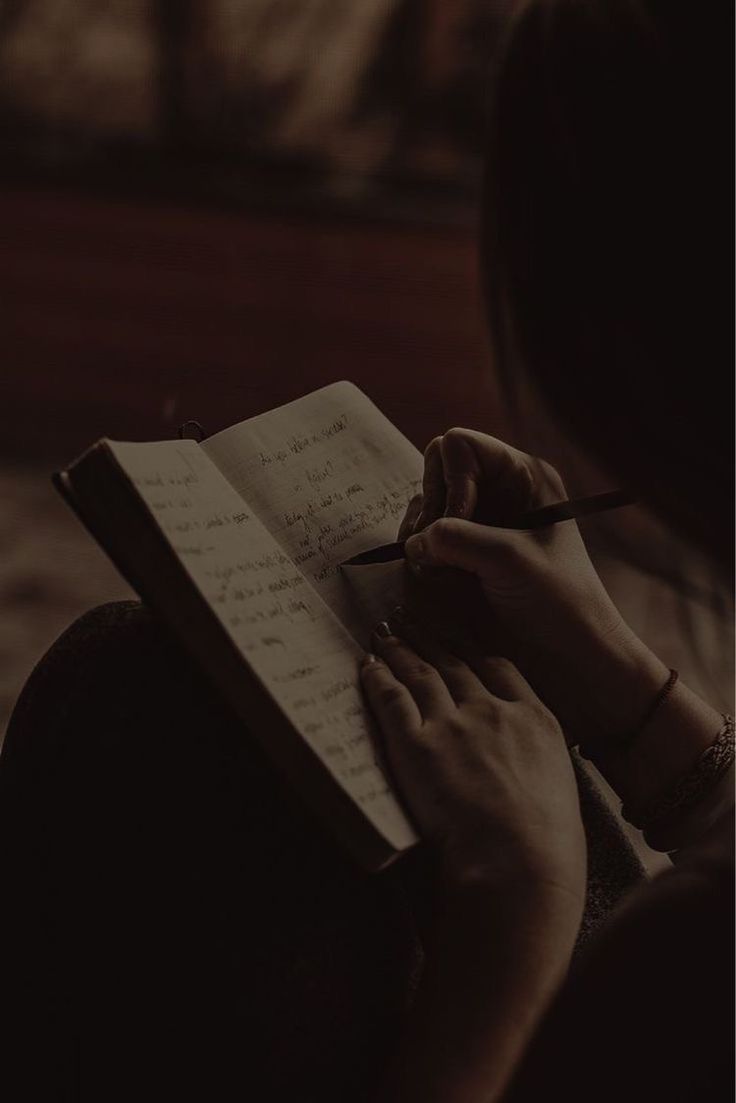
pixel 108 658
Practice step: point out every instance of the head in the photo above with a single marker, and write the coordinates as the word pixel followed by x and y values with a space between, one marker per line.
pixel 606 241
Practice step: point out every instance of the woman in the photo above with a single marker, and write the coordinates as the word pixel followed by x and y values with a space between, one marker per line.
pixel 216 916
pixel 603 222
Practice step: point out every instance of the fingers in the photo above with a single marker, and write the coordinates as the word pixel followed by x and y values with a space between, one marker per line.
pixel 470 673
pixel 423 681
pixel 462 473
pixel 499 676
pixel 468 474
pixel 391 702
pixel 480 549
pixel 404 736
pixel 433 486
pixel 462 682
pixel 407 686
pixel 406 528
pixel 473 462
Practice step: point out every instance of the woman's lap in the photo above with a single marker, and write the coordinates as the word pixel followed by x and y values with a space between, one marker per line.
pixel 172 908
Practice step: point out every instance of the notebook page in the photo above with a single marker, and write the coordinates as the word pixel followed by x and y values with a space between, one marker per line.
pixel 329 476
pixel 299 651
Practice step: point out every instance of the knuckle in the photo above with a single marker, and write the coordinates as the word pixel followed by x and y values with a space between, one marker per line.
pixel 456 433
pixel 489 712
pixel 500 664
pixel 421 672
pixel 457 727
pixel 543 714
pixel 500 670
pixel 390 695
pixel 446 532
pixel 526 478
pixel 551 477
pixel 432 447
pixel 424 747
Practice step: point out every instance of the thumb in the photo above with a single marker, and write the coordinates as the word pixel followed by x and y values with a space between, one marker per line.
pixel 480 549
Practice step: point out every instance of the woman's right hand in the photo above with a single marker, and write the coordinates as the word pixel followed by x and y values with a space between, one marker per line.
pixel 544 597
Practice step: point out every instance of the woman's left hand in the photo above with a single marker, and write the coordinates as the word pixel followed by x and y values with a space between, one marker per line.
pixel 481 764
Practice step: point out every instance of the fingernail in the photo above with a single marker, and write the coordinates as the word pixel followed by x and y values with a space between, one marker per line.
pixel 382 630
pixel 415 547
pixel 401 621
pixel 369 659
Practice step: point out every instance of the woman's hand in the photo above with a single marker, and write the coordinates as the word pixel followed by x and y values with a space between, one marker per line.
pixel 543 596
pixel 483 767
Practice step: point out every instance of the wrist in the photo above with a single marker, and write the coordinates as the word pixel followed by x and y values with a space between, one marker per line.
pixel 619 679
pixel 665 752
pixel 516 881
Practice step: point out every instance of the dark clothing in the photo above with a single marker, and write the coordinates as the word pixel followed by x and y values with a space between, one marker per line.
pixel 648 1012
pixel 174 920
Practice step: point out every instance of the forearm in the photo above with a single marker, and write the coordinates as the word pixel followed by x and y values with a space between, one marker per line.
pixel 665 748
pixel 496 959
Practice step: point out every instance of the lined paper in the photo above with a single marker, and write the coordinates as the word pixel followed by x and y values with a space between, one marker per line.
pixel 296 646
pixel 329 476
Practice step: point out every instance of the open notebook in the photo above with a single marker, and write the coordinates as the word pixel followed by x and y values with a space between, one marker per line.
pixel 236 542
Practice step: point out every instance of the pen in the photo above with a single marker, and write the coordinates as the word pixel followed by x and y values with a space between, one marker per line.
pixel 533 519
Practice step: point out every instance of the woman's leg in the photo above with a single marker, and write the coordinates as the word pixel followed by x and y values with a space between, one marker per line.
pixel 174 919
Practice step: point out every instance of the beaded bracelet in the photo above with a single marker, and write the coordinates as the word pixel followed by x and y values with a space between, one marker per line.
pixel 597 748
pixel 710 766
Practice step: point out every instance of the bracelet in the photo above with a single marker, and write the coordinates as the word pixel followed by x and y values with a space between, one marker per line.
pixel 710 766
pixel 597 748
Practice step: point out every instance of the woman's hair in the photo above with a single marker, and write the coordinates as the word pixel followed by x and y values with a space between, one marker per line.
pixel 607 239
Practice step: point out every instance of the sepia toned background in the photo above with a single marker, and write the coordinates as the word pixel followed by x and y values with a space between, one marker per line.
pixel 210 207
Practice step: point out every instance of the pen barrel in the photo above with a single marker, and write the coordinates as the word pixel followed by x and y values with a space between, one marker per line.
pixel 569 510
pixel 533 519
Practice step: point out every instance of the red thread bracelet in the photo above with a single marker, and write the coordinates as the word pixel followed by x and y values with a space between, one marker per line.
pixel 598 748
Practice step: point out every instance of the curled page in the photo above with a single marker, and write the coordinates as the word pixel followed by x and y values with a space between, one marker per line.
pixel 376 589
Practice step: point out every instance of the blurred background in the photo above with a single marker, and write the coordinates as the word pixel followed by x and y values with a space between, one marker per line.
pixel 210 207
